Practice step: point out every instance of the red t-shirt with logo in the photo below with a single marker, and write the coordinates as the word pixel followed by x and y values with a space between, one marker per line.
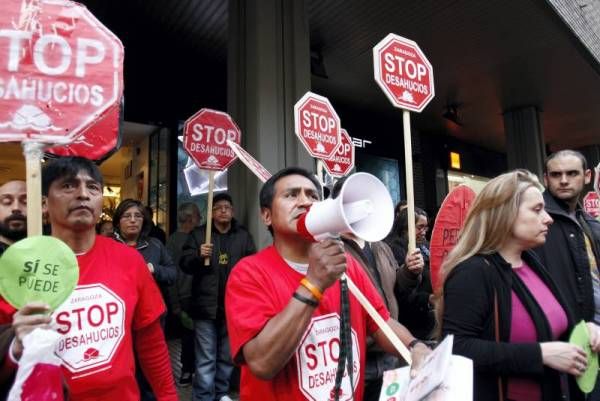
pixel 259 287
pixel 115 295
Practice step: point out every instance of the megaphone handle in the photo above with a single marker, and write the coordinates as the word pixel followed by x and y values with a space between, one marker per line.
pixel 387 330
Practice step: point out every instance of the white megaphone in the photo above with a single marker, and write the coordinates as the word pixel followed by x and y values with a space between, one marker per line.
pixel 363 207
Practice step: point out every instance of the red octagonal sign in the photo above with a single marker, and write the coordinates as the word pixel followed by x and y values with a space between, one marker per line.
pixel 403 73
pixel 317 125
pixel 60 70
pixel 205 137
pixel 343 159
pixel 591 204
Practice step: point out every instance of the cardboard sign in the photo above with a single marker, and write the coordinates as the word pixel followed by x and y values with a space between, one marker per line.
pixel 205 137
pixel 447 225
pixel 317 125
pixel 443 377
pixel 403 73
pixel 98 142
pixel 250 162
pixel 61 70
pixel 38 268
pixel 591 204
pixel 580 336
pixel 342 161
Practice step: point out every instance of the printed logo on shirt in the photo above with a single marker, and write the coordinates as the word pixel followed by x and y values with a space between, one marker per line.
pixel 92 322
pixel 317 360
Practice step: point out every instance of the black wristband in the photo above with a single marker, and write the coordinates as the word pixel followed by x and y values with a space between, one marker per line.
pixel 305 300
pixel 414 342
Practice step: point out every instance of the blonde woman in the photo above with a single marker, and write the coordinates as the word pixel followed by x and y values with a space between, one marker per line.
pixel 500 304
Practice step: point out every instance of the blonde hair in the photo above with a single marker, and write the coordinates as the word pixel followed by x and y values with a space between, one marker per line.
pixel 488 224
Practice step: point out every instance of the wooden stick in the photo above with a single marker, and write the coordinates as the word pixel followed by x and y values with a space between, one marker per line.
pixel 387 330
pixel 209 206
pixel 33 170
pixel 410 198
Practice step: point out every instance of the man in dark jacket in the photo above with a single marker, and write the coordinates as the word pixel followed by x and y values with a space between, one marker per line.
pixel 230 243
pixel 572 249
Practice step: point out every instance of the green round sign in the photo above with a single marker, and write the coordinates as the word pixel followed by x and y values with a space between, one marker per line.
pixel 39 268
pixel 581 337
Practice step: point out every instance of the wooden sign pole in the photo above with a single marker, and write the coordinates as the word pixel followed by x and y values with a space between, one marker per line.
pixel 410 196
pixel 33 169
pixel 209 207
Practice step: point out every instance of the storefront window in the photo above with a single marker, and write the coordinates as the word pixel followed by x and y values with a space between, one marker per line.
pixel 475 182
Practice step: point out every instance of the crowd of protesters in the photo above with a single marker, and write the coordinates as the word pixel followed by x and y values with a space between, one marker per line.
pixel 523 273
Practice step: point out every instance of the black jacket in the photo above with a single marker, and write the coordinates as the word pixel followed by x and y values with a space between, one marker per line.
pixel 413 291
pixel 469 315
pixel 153 251
pixel 565 256
pixel 208 283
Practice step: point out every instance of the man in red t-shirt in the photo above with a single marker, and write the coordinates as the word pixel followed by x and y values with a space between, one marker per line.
pixel 283 306
pixel 114 311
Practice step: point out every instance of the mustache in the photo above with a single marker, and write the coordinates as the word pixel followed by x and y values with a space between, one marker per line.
pixel 15 217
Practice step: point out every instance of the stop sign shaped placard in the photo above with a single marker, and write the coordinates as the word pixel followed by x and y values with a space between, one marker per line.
pixel 591 204
pixel 403 73
pixel 317 125
pixel 205 137
pixel 60 70
pixel 342 160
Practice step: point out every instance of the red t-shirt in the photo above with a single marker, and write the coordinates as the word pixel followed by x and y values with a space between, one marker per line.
pixel 259 287
pixel 115 295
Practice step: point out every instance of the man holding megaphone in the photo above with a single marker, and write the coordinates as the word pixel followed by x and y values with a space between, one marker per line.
pixel 283 303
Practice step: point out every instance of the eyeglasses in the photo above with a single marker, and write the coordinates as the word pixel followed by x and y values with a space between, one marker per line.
pixel 224 208
pixel 135 216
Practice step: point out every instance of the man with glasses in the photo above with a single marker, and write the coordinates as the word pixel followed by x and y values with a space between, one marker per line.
pixel 230 243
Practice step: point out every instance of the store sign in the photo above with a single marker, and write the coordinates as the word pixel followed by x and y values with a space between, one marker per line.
pixel 317 125
pixel 403 73
pixel 205 137
pixel 61 71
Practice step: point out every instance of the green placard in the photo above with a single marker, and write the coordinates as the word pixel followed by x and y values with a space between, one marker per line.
pixel 581 337
pixel 40 268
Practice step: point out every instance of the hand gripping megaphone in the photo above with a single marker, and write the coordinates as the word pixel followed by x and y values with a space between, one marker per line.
pixel 363 207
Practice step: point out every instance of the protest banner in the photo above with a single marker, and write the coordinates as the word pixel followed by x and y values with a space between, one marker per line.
pixel 205 136
pixel 406 77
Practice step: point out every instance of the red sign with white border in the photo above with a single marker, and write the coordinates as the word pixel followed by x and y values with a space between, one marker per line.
pixel 205 137
pixel 342 161
pixel 92 324
pixel 591 204
pixel 61 70
pixel 98 142
pixel 403 73
pixel 317 359
pixel 317 125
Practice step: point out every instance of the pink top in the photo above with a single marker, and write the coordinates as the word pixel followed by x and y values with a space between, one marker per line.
pixel 523 330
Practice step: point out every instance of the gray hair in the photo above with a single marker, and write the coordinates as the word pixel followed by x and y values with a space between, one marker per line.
pixel 186 211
